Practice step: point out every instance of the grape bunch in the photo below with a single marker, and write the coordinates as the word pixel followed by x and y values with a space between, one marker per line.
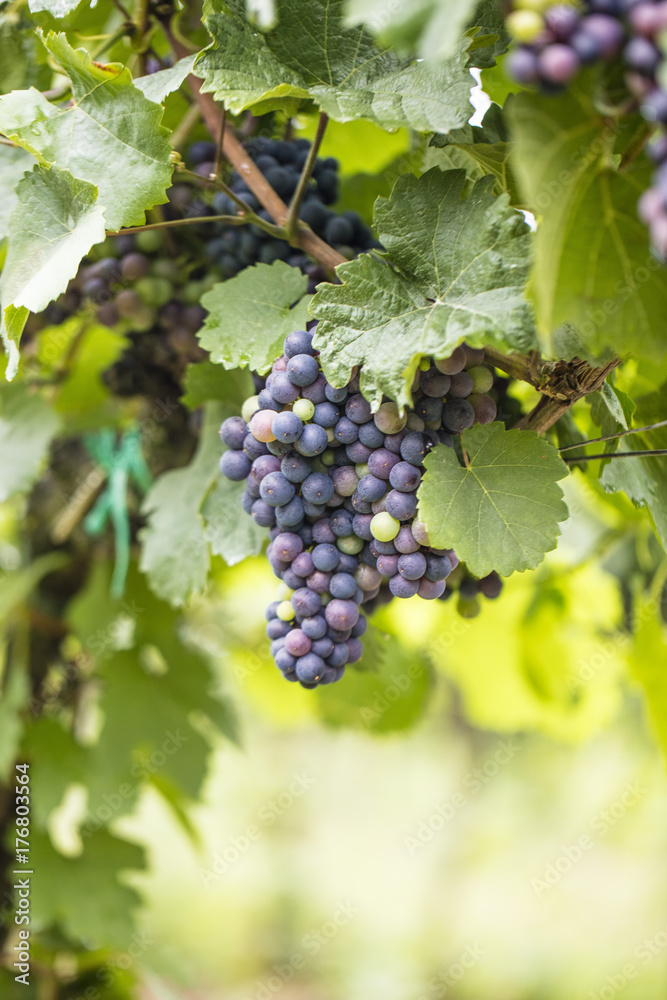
pixel 558 40
pixel 232 248
pixel 336 484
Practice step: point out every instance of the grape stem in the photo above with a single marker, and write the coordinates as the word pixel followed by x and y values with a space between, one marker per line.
pixel 617 454
pixel 292 223
pixel 213 176
pixel 613 437
pixel 228 220
pixel 244 165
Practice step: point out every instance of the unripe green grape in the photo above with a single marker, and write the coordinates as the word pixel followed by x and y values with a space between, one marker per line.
pixel 150 241
pixel 192 292
pixel 250 407
pixel 317 464
pixel 128 303
pixel 285 611
pixel 524 25
pixel 389 420
pixel 154 291
pixel 424 364
pixel 482 378
pixel 284 592
pixel 361 470
pixel 143 319
pixel 350 545
pixel 304 409
pixel 331 437
pixel 328 458
pixel 384 527
pixel 166 268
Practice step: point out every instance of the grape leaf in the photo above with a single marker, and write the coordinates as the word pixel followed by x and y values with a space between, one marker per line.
pixel 231 532
pixel 250 315
pixel 429 28
pixel 109 135
pixel 157 86
pixel 57 761
pixel 174 551
pixel 14 162
pixel 205 380
pixel 593 267
pixel 501 511
pixel 22 58
pixel 644 480
pixel 55 222
pixel 310 55
pixel 459 266
pixel 480 150
pixel 27 426
pixel 84 895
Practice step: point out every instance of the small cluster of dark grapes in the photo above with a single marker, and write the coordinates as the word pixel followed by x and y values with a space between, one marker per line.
pixel 559 39
pixel 232 248
pixel 337 486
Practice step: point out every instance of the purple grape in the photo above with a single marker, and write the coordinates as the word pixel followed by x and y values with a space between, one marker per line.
pixel 287 546
pixel 558 64
pixel 316 392
pixel 402 506
pixel 371 488
pixel 306 602
pixel 335 395
pixel 313 441
pixel 263 514
pixel 341 614
pixel 342 585
pixel 358 409
pixel 315 627
pixel 295 468
pixel 382 462
pixel 235 465
pixel 287 427
pixel 275 489
pixel 309 668
pixel 302 369
pixel 325 557
pixel 405 477
pixel 318 488
pixel 401 587
pixel 233 432
pixel 346 431
pixel 326 414
pixel 298 342
pixel 412 566
pixel 458 415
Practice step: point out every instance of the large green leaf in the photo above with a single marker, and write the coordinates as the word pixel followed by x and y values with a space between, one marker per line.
pixel 27 426
pixel 22 58
pixel 251 314
pixel 501 510
pixel 480 150
pixel 593 267
pixel 57 8
pixel 157 86
pixel 310 55
pixel 14 162
pixel 175 553
pixel 459 266
pixel 429 28
pixel 647 659
pixel 14 691
pixel 109 135
pixel 205 381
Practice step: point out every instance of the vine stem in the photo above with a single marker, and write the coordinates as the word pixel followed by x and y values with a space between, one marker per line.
pixel 613 437
pixel 292 224
pixel 254 178
pixel 229 220
pixel 617 454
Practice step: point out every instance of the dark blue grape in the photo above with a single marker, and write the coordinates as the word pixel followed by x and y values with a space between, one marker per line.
pixel 437 567
pixel 358 409
pixel 306 602
pixel 263 514
pixel 322 647
pixel 361 524
pixel 266 401
pixel 290 515
pixel 310 667
pixel 458 415
pixel 282 388
pixel 302 369
pixel 287 546
pixel 313 441
pixel 335 395
pixel 346 431
pixel 287 427
pixel 326 414
pixel 247 500
pixel 339 655
pixel 393 442
pixel 235 465
pixel 358 452
pixel 400 587
pixel 277 629
pixel 295 468
pixel 322 532
pixel 341 522
pixel 303 565
pixel 276 490
pixel 360 628
pixel 429 409
pixel 405 477
pixel 233 433
pixel 316 392
pixel 315 627
pixel 434 383
pixel 402 506
pixel 284 660
pixel 371 488
pixel 370 435
pixel 254 448
pixel 317 488
pixel 342 585
pixel 291 580
pixel 412 566
pixel 414 448
pixel 325 557
pixel 298 342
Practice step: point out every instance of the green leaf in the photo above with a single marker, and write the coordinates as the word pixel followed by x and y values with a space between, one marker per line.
pixel 14 162
pixel 157 86
pixel 593 267
pixel 251 314
pixel 205 381
pixel 57 761
pixel 12 322
pixel 108 133
pixel 480 150
pixel 174 551
pixel 54 224
pixel 643 480
pixel 22 57
pixel 429 28
pixel 310 55
pixel 459 266
pixel 27 426
pixel 17 587
pixel 84 895
pixel 501 511
pixel 231 533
